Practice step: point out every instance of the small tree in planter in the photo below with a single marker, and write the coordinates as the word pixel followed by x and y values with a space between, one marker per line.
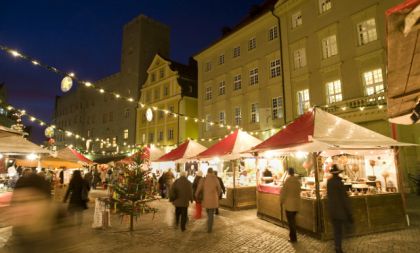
pixel 135 188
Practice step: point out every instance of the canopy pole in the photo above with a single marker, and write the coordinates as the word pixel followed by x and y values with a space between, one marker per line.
pixel 232 164
pixel 400 183
pixel 317 194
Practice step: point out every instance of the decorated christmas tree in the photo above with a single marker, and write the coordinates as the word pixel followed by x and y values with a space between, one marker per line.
pixel 135 189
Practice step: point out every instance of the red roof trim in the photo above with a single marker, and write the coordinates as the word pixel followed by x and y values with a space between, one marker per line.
pixel 408 4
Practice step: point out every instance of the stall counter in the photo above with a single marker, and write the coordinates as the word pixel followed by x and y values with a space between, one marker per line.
pixel 240 198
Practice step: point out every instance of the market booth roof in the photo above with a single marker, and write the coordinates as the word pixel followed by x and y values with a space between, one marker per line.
pixel 403 70
pixel 151 153
pixel 14 143
pixel 231 147
pixel 72 155
pixel 317 130
pixel 47 162
pixel 184 151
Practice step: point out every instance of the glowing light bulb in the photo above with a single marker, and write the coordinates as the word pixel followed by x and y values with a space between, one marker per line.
pixel 88 84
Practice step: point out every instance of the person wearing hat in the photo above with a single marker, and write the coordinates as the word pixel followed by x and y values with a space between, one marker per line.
pixel 290 199
pixel 338 206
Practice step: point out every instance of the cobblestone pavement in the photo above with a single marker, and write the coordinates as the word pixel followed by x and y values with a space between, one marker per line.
pixel 233 232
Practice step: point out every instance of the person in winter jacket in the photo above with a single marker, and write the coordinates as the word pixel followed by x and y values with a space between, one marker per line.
pixel 290 199
pixel 181 195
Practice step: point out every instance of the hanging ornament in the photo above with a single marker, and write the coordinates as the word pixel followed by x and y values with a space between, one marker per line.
pixel 18 126
pixel 51 141
pixel 49 132
pixel 66 84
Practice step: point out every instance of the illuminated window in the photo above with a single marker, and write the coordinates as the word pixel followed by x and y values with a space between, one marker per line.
pixel 334 92
pixel 255 116
pixel 297 19
pixel 324 5
pixel 303 102
pixel 374 82
pixel 238 116
pixel 277 107
pixel 329 46
pixel 299 58
pixel 125 134
pixel 222 118
pixel 273 33
pixel 367 31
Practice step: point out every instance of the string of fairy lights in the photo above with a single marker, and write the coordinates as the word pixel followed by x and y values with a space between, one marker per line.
pixel 101 90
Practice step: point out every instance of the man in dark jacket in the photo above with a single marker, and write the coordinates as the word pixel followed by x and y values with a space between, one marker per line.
pixel 338 206
pixel 180 195
pixel 223 190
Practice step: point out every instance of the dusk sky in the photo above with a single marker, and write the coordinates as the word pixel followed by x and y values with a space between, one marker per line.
pixel 85 37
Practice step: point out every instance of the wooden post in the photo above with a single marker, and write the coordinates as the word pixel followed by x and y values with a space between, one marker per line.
pixel 400 183
pixel 317 194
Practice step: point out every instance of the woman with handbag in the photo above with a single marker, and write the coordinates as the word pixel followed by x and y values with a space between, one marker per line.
pixel 78 191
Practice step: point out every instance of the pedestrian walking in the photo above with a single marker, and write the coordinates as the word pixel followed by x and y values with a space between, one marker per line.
pixel 88 178
pixel 338 206
pixel 162 185
pixel 290 199
pixel 78 191
pixel 96 178
pixel 198 199
pixel 222 186
pixel 169 179
pixel 181 195
pixel 210 187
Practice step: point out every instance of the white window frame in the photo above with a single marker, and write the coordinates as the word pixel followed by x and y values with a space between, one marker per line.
pixel 374 81
pixel 253 76
pixel 209 94
pixel 170 134
pixel 222 117
pixel 324 6
pixel 275 68
pixel 208 120
pixel 273 33
pixel 237 82
pixel 297 19
pixel 221 59
pixel 255 115
pixel 329 46
pixel 207 67
pixel 238 116
pixel 160 136
pixel 236 51
pixel 222 88
pixel 334 91
pixel 303 101
pixel 277 108
pixel 299 58
pixel 252 44
pixel 366 31
pixel 125 134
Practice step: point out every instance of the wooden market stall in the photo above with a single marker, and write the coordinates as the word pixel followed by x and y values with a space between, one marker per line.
pixel 315 141
pixel 233 166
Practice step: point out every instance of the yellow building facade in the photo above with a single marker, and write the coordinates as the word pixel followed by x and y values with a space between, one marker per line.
pixel 239 79
pixel 170 88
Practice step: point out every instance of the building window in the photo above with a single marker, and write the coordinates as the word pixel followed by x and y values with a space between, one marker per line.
pixel 166 90
pixel 157 93
pixel 275 68
pixel 127 113
pixel 151 137
pixel 111 116
pixel 207 67
pixel 208 93
pixel 299 58
pixel 334 92
pixel 153 77
pixel 221 59
pixel 277 107
pixel 296 19
pixel 114 141
pixel 255 116
pixel 160 115
pixel 125 134
pixel 238 116
pixel 329 46
pixel 237 82
pixel 160 137
pixel 324 5
pixel 222 118
pixel 236 52
pixel 162 73
pixel 171 108
pixel 253 76
pixel 374 82
pixel 208 119
pixel 222 88
pixel 170 134
pixel 303 101
pixel 367 31
pixel 148 96
pixel 273 33
pixel 252 43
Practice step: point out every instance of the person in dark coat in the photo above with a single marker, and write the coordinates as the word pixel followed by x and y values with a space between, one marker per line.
pixel 78 190
pixel 61 176
pixel 338 206
pixel 88 178
pixel 222 192
pixel 162 185
pixel 180 195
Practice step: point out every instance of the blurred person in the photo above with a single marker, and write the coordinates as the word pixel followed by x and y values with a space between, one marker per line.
pixel 338 206
pixel 162 185
pixel 88 178
pixel 78 191
pixel 290 199
pixel 36 220
pixel 169 179
pixel 61 176
pixel 210 187
pixel 180 195
pixel 222 186
pixel 198 199
pixel 96 178
pixel 26 172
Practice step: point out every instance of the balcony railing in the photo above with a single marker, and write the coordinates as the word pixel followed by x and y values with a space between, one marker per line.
pixel 362 103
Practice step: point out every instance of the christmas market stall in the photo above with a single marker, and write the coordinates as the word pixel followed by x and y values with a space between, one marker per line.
pixel 237 169
pixel 311 144
pixel 152 154
pixel 179 156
